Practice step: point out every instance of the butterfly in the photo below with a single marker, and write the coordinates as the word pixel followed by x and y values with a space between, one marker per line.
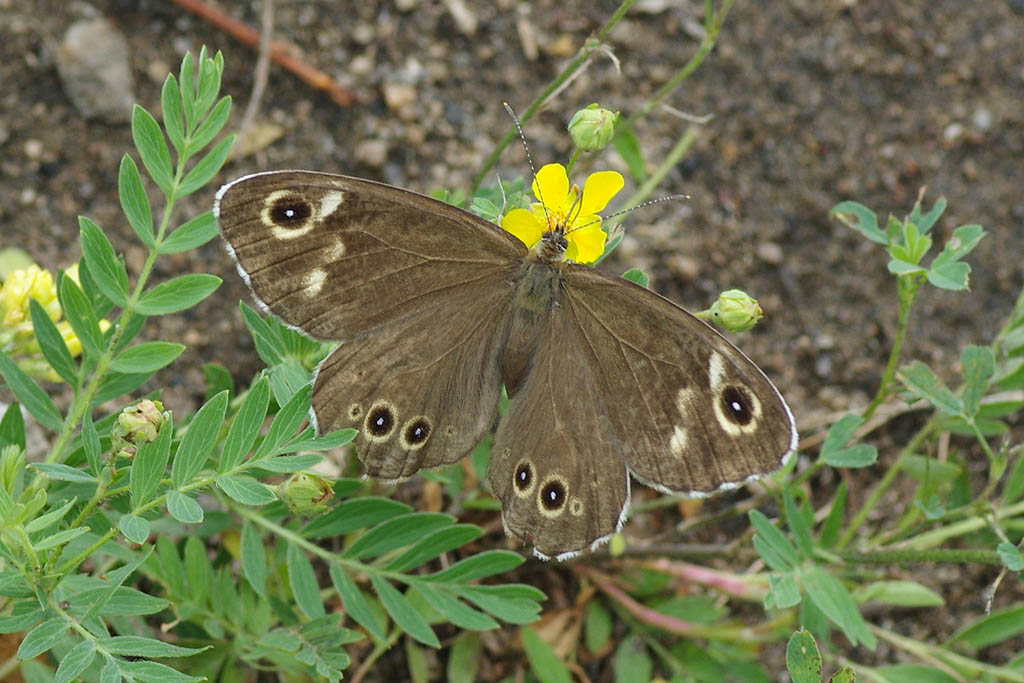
pixel 437 309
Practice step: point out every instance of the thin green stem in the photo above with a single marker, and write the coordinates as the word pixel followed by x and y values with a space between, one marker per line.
pixel 930 539
pixel 707 44
pixel 577 62
pixel 901 556
pixel 907 288
pixel 887 479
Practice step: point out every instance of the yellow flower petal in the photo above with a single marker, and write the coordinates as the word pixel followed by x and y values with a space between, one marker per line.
pixel 551 186
pixel 523 224
pixel 599 190
pixel 586 244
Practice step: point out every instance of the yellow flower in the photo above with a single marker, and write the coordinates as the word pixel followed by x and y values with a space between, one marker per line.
pixel 25 284
pixel 560 206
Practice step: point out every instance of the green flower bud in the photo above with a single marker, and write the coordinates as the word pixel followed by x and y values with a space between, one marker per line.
pixel 137 424
pixel 617 545
pixel 306 492
pixel 592 128
pixel 735 311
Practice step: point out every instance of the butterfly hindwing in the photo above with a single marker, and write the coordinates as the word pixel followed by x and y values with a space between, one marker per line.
pixel 555 464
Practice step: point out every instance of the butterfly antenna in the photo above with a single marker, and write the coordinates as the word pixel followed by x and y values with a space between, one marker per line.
pixel 630 209
pixel 526 148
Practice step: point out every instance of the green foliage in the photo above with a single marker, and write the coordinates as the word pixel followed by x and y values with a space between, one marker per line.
pixel 235 578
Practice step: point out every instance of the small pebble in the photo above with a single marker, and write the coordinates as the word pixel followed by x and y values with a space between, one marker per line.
pixel 770 253
pixel 373 153
pixel 93 65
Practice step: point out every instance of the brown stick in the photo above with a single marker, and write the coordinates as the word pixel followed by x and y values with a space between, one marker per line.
pixel 280 52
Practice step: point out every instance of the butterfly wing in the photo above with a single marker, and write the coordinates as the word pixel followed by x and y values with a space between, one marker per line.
pixel 416 290
pixel 555 463
pixel 691 412
pixel 339 257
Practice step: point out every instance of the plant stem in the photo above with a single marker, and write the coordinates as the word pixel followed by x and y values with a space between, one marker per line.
pixel 907 288
pixel 901 556
pixel 581 57
pixel 887 479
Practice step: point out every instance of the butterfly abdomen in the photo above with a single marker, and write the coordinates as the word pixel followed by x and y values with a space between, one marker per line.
pixel 538 291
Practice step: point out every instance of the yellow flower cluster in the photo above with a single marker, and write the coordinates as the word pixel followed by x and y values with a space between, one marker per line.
pixel 17 338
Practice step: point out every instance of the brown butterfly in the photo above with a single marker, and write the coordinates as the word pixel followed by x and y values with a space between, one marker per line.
pixel 437 309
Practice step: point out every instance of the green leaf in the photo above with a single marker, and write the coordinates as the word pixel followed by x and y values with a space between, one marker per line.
pixel 396 533
pixel 952 276
pixel 861 455
pixel 900 593
pixel 926 221
pixel 355 602
pixel 178 294
pixel 772 545
pixel 212 125
pixel 245 489
pixel 289 463
pixel 900 267
pixel 784 591
pixel 632 662
pixel 198 571
pixel 268 344
pixel 206 168
pixel 286 422
pixel 50 518
pixel 245 426
pixel 454 610
pixel 979 363
pixel 51 342
pixel 147 357
pixel 544 663
pixel 354 514
pixel 254 559
pixel 134 201
pixel 42 638
pixel 637 277
pixel 464 659
pixel 325 442
pixel 139 646
pixel 965 238
pixel 155 672
pixel 117 384
pixel 184 508
pixel 58 539
pixel 402 612
pixel 803 661
pixel 191 234
pixel 149 466
pixel 995 628
pixel 1011 556
pixel 834 521
pixel 75 662
pixel 597 626
pixel 434 544
pixel 60 472
pixel 152 148
pixel 628 147
pixel 798 525
pixel 303 583
pixel 832 598
pixel 80 315
pixel 173 116
pixel 12 426
pixel 922 382
pixel 194 449
pixel 860 218
pixel 477 566
pixel 134 528
pixel 1013 490
pixel 515 610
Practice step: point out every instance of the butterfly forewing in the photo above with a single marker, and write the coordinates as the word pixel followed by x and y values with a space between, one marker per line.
pixel 695 415
pixel 417 290
pixel 338 257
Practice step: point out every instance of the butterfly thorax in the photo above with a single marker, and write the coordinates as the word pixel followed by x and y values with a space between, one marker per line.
pixel 552 246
